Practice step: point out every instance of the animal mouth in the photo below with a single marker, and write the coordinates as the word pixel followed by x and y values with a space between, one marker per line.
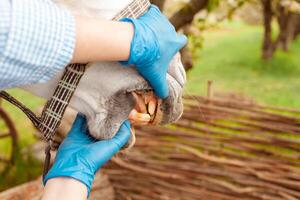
pixel 147 109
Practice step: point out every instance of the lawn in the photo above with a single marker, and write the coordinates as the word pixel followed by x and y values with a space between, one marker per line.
pixel 231 58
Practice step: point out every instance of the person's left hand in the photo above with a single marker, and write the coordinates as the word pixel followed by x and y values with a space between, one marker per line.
pixel 80 156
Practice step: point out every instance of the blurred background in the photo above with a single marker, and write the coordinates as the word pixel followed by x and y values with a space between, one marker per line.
pixel 248 52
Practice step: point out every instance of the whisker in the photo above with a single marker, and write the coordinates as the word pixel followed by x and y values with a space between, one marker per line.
pixel 194 98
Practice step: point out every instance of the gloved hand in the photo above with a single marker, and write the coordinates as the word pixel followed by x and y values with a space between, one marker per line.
pixel 80 156
pixel 154 44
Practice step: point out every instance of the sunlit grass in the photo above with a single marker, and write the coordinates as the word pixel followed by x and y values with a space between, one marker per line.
pixel 231 57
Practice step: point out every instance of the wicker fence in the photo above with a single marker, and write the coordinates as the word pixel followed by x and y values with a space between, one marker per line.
pixel 221 149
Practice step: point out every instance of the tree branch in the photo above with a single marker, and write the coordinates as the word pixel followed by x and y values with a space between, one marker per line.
pixel 186 14
pixel 268 49
pixel 159 3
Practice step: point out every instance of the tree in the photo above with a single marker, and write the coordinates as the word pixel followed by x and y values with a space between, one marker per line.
pixel 159 3
pixel 186 14
pixel 267 48
pixel 181 20
pixel 287 16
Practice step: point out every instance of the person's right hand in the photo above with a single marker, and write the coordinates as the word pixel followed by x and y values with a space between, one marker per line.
pixel 80 156
pixel 154 44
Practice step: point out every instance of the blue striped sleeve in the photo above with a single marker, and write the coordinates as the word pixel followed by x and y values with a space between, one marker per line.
pixel 37 40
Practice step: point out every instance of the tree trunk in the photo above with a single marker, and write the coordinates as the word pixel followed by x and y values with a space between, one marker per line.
pixel 268 47
pixel 282 20
pixel 297 27
pixel 159 3
pixel 287 22
pixel 186 58
pixel 290 31
pixel 184 18
pixel 186 14
pixel 186 54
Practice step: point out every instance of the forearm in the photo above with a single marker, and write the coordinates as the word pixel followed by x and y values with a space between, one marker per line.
pixel 101 40
pixel 38 39
pixel 80 157
pixel 63 188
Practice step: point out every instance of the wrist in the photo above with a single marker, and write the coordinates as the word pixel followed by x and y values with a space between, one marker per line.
pixel 144 48
pixel 76 171
pixel 65 188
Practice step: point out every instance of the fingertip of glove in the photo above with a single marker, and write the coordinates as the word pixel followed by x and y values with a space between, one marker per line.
pixel 127 124
pixel 182 40
pixel 123 134
pixel 161 87
pixel 162 92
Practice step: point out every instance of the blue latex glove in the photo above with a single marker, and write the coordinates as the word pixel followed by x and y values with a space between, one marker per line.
pixel 80 156
pixel 154 44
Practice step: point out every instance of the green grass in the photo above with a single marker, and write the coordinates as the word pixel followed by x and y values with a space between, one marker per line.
pixel 25 168
pixel 231 57
pixel 23 124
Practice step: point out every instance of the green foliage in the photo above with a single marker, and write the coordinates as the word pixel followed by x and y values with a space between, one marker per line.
pixel 195 42
pixel 195 38
pixel 212 4
pixel 233 8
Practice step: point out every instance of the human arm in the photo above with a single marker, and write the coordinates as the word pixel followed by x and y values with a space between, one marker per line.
pixel 38 39
pixel 64 188
pixel 149 43
pixel 78 159
pixel 101 40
